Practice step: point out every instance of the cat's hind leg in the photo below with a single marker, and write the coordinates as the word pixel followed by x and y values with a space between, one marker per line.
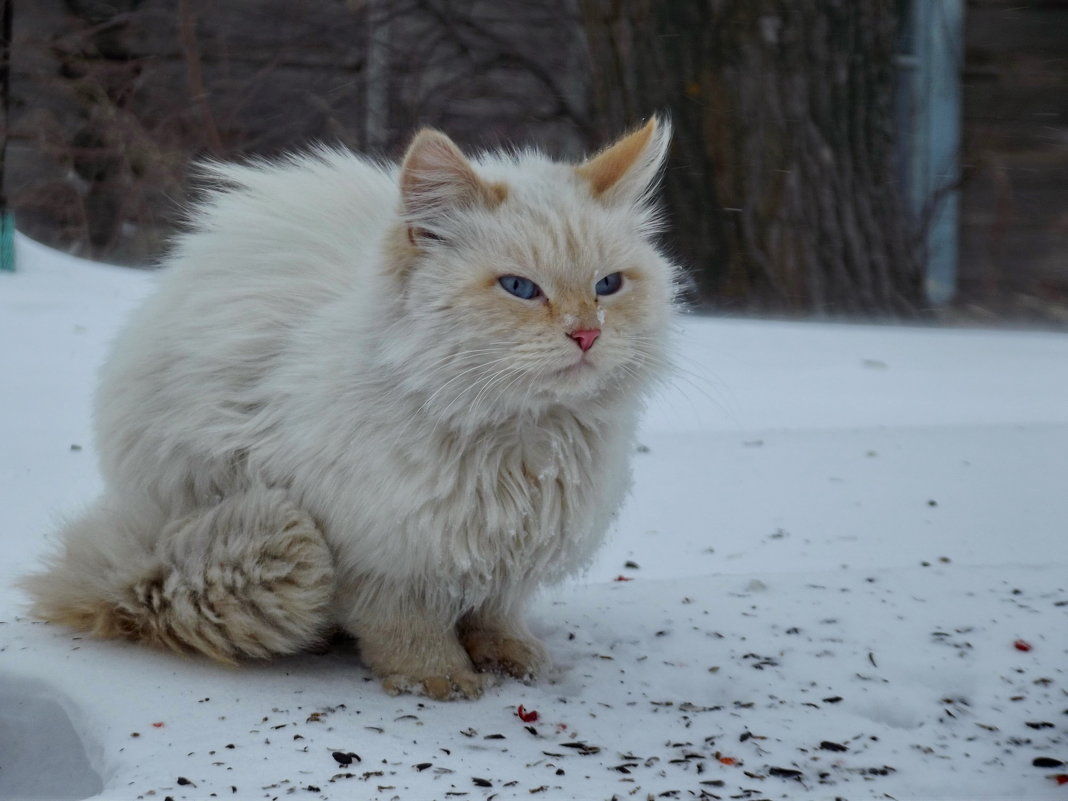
pixel 250 576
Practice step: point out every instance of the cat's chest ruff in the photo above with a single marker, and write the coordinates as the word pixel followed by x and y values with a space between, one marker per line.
pixel 522 493
pixel 517 501
pixel 524 468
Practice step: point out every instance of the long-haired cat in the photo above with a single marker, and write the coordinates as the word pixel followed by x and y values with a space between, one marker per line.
pixel 391 399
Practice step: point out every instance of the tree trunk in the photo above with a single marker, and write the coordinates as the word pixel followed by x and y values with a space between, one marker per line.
pixel 780 191
pixel 376 133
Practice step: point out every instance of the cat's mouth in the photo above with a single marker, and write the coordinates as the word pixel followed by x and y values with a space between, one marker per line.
pixel 581 365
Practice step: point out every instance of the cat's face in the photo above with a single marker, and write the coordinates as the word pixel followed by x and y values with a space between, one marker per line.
pixel 540 285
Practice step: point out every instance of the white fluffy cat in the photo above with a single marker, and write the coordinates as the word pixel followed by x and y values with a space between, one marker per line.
pixel 394 400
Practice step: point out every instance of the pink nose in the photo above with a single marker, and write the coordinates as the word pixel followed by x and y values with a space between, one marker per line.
pixel 585 338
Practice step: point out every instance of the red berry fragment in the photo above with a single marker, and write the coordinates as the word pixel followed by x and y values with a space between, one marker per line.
pixel 1060 778
pixel 526 715
pixel 1022 645
pixel 623 578
pixel 158 725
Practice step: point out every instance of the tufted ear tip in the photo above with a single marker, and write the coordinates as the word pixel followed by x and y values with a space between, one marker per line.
pixel 436 177
pixel 626 170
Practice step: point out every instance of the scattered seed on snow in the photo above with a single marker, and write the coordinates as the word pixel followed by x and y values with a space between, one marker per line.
pixel 829 745
pixel 1046 762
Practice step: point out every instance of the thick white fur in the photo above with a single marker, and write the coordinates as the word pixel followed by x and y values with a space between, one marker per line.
pixel 329 360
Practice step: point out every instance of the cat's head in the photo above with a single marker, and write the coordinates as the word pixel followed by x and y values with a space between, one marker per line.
pixel 524 281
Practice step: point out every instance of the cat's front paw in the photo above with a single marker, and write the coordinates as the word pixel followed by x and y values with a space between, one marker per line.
pixel 522 658
pixel 461 684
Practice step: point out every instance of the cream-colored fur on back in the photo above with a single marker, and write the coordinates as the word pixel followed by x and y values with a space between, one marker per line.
pixel 332 412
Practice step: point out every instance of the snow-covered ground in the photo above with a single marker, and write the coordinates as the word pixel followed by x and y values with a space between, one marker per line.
pixel 843 573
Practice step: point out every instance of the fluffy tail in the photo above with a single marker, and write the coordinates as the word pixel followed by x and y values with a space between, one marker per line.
pixel 249 577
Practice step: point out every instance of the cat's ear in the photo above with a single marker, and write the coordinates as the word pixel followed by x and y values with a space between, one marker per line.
pixel 626 171
pixel 436 180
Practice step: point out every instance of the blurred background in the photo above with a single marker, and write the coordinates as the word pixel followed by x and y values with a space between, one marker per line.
pixel 894 159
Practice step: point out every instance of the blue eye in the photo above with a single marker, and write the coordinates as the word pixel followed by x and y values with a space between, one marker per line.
pixel 520 287
pixel 610 284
